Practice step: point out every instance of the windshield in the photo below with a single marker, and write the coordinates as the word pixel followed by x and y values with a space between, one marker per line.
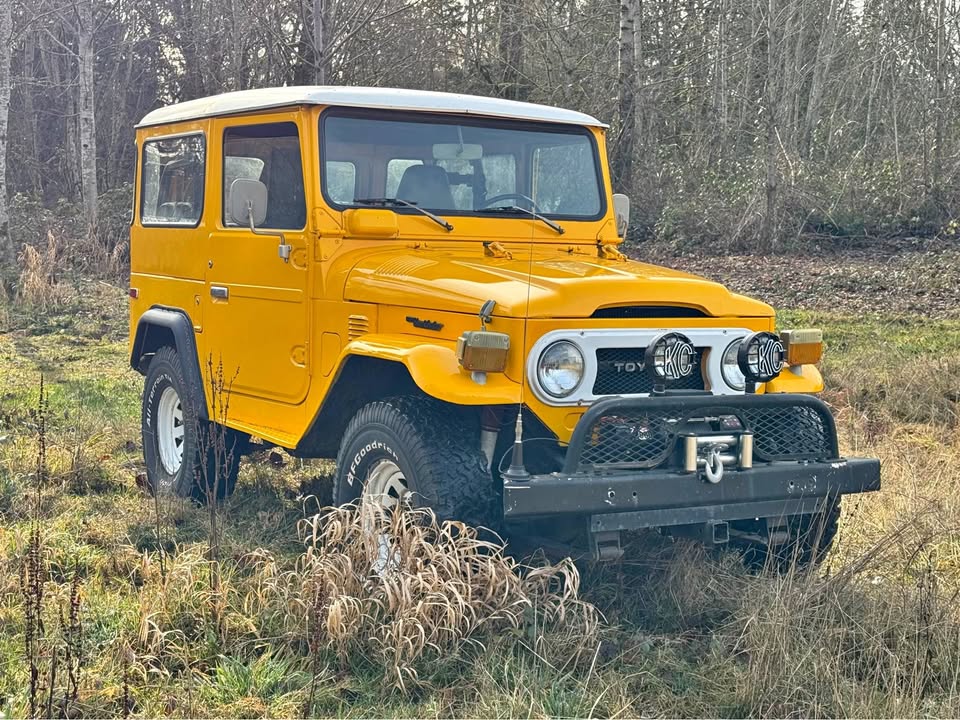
pixel 461 166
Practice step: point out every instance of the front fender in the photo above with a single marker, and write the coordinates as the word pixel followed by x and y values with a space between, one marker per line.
pixel 434 368
pixel 798 379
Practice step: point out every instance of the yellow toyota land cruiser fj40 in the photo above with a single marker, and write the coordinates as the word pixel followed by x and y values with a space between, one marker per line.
pixel 428 288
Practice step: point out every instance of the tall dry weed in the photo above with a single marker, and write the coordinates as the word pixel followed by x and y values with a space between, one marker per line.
pixel 405 590
pixel 40 271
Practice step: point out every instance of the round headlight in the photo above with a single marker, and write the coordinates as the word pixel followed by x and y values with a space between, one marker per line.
pixel 760 357
pixel 670 356
pixel 732 375
pixel 560 369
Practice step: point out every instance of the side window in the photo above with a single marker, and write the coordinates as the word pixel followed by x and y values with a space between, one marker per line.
pixel 395 169
pixel 270 154
pixel 461 176
pixel 341 181
pixel 500 172
pixel 171 189
pixel 563 181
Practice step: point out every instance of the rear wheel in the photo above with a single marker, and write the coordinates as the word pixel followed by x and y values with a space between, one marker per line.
pixel 419 452
pixel 184 454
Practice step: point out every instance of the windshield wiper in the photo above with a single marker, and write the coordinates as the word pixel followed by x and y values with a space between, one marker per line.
pixel 531 213
pixel 397 202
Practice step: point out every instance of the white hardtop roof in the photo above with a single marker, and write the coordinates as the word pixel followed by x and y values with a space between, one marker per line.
pixel 243 101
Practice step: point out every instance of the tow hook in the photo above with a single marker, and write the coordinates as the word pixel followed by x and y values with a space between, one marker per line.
pixel 714 465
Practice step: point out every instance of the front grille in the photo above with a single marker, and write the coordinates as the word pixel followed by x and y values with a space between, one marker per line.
pixel 629 435
pixel 620 372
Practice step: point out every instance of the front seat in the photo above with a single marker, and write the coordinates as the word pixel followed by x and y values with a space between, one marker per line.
pixel 426 186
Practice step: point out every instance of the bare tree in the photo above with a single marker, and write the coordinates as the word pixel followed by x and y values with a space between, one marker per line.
pixel 627 83
pixel 511 49
pixel 86 116
pixel 6 42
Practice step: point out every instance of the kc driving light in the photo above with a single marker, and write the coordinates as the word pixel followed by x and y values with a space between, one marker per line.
pixel 669 357
pixel 560 369
pixel 761 357
pixel 730 369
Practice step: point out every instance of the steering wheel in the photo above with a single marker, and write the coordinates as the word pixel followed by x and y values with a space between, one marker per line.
pixel 510 196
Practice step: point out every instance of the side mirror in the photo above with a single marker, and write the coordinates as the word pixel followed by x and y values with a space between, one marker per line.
pixel 248 206
pixel 248 202
pixel 621 209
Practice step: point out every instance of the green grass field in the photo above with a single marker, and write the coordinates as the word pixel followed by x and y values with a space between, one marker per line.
pixel 684 632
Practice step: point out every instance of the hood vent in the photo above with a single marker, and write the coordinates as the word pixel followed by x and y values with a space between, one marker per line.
pixel 639 312
pixel 357 325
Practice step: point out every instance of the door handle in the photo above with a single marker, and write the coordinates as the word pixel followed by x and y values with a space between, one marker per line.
pixel 219 292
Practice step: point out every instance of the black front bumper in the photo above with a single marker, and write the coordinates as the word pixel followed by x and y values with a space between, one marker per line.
pixel 657 492
pixel 652 498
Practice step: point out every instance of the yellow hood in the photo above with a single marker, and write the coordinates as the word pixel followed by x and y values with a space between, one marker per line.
pixel 561 285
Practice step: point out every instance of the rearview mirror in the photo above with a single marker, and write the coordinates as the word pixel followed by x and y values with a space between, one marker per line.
pixel 247 195
pixel 457 151
pixel 621 209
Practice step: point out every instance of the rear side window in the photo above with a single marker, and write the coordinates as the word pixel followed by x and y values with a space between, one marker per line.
pixel 270 154
pixel 171 189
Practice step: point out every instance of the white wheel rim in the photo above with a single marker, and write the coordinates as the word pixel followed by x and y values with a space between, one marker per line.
pixel 386 484
pixel 170 431
pixel 387 487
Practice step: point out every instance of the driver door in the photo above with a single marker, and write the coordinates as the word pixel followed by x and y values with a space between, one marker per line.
pixel 256 309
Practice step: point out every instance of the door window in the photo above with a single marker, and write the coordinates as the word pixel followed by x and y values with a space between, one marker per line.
pixel 270 154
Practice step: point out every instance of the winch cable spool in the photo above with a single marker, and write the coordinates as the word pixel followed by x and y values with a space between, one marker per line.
pixel 517 472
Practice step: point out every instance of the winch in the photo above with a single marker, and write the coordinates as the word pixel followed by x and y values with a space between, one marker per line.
pixel 711 453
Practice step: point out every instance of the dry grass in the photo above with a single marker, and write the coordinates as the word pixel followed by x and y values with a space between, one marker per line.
pixel 39 284
pixel 408 591
pixel 299 621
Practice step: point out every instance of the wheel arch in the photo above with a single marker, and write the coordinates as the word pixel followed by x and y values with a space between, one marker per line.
pixel 159 327
pixel 360 379
pixel 376 367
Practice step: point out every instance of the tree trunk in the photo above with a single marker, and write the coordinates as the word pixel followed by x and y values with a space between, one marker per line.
pixel 941 104
pixel 323 22
pixel 7 255
pixel 627 82
pixel 511 49
pixel 319 49
pixel 769 228
pixel 821 71
pixel 87 127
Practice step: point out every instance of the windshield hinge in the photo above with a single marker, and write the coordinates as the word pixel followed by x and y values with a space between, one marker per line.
pixel 610 252
pixel 493 248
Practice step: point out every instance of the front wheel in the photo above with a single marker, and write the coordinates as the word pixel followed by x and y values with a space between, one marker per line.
pixel 184 454
pixel 419 452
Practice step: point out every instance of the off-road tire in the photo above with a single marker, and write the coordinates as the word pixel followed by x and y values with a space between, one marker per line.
pixel 200 437
pixel 434 445
pixel 811 537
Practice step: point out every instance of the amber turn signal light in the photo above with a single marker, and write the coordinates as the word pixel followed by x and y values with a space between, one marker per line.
pixel 803 347
pixel 483 351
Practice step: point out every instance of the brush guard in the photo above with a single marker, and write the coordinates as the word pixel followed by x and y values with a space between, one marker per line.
pixel 693 463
